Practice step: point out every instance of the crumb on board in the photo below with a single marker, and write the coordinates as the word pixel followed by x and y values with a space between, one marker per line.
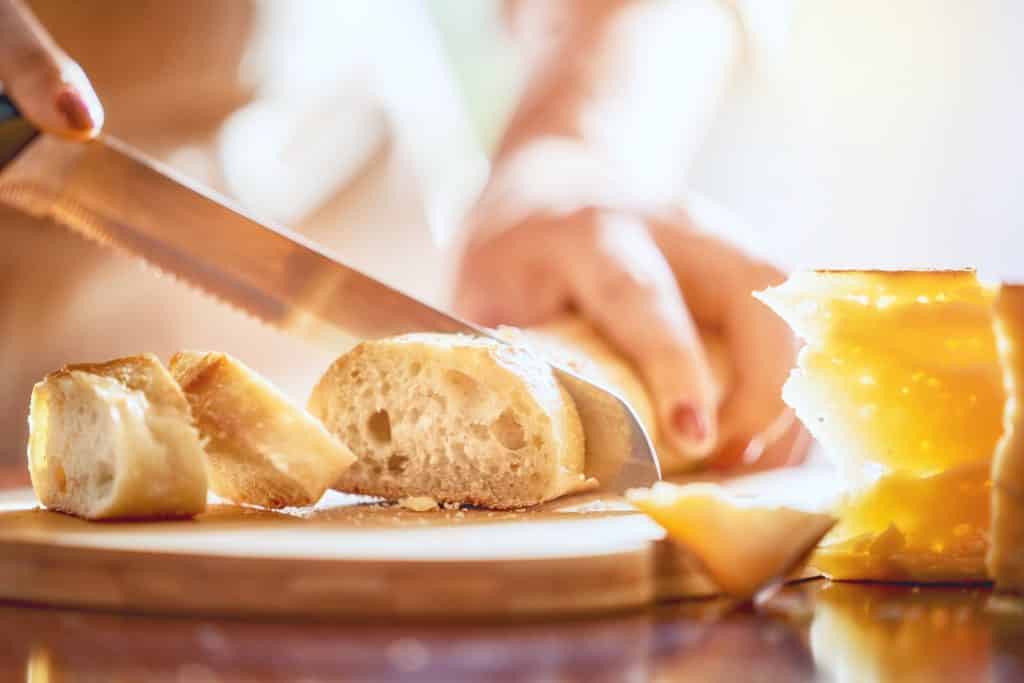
pixel 418 503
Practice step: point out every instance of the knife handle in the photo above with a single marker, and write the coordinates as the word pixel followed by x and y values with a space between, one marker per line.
pixel 15 131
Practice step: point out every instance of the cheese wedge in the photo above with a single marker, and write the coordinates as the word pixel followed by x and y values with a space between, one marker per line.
pixel 1006 554
pixel 744 543
pixel 900 382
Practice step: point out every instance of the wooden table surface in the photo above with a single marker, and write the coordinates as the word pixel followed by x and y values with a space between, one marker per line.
pixel 806 632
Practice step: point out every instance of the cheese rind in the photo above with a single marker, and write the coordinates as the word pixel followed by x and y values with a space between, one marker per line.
pixel 1005 558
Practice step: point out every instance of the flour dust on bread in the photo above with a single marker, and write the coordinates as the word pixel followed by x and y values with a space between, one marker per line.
pixel 262 448
pixel 115 440
pixel 457 418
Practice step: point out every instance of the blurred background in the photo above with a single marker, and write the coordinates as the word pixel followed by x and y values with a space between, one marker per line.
pixel 865 133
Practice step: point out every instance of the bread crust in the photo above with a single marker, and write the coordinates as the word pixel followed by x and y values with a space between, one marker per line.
pixel 262 449
pixel 502 379
pixel 154 466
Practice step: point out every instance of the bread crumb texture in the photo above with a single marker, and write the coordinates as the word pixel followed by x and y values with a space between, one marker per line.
pixel 460 419
pixel 115 440
pixel 262 449
pixel 418 503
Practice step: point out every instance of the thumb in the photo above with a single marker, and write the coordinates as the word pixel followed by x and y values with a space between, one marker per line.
pixel 51 90
pixel 623 283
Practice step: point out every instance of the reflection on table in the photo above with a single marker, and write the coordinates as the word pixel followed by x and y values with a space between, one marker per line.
pixel 806 632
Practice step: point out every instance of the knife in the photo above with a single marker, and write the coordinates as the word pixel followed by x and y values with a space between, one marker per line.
pixel 110 193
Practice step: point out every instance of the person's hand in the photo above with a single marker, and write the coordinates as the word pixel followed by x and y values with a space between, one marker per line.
pixel 648 282
pixel 51 90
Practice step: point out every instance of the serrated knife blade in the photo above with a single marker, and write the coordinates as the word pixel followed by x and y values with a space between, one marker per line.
pixel 111 193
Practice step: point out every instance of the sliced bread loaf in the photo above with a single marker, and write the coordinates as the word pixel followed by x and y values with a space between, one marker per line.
pixel 115 440
pixel 262 449
pixel 456 418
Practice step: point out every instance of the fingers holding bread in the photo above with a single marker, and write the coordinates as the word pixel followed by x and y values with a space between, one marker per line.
pixel 718 280
pixel 627 288
pixel 453 418
pixel 575 343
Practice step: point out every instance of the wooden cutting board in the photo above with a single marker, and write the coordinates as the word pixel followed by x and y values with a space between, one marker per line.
pixel 348 558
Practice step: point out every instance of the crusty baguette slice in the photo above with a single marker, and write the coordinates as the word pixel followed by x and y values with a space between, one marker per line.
pixel 1006 553
pixel 457 418
pixel 262 449
pixel 115 440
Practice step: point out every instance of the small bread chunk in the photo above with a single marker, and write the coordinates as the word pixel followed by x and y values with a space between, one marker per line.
pixel 262 449
pixel 115 440
pixel 453 417
pixel 1006 554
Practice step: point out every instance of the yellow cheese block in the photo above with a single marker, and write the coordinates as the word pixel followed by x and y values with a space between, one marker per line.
pixel 743 543
pixel 1006 555
pixel 900 369
pixel 909 528
pixel 900 382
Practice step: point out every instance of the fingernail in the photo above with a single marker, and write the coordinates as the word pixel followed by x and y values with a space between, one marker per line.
pixel 690 423
pixel 75 111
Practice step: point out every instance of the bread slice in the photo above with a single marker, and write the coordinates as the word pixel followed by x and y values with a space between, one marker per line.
pixel 457 418
pixel 115 440
pixel 262 449
pixel 1005 558
pixel 574 343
